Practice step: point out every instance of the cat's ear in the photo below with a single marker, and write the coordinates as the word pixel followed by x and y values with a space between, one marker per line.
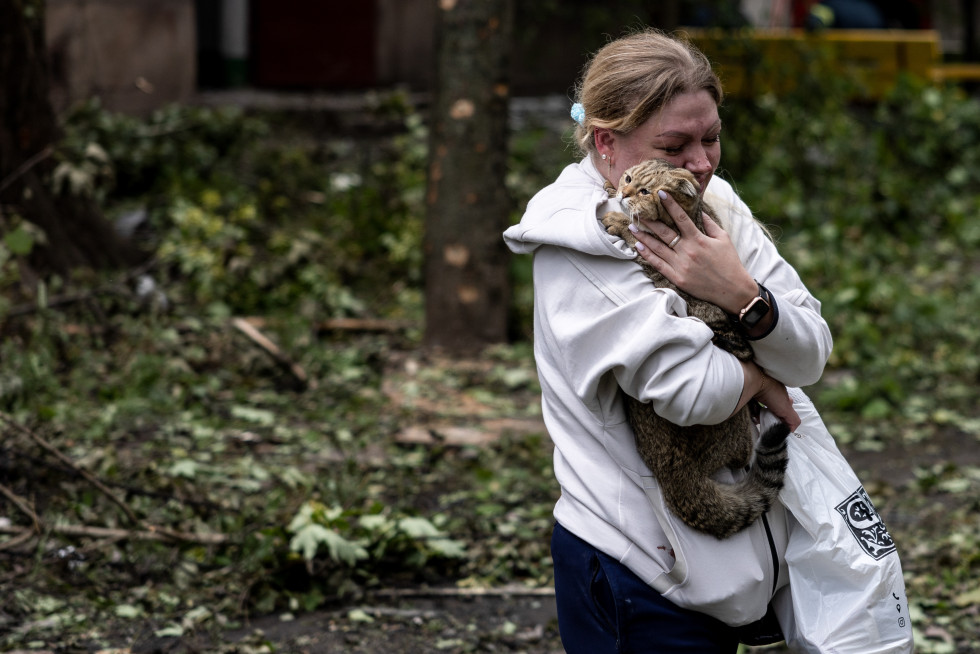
pixel 685 183
pixel 688 188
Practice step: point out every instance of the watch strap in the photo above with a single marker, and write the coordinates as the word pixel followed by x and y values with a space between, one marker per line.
pixel 774 307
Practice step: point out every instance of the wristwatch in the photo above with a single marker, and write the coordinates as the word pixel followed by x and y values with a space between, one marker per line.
pixel 753 312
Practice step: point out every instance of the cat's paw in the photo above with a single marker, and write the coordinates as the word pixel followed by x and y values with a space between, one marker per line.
pixel 617 224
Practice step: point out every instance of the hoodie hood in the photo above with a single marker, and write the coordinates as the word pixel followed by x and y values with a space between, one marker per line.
pixel 566 213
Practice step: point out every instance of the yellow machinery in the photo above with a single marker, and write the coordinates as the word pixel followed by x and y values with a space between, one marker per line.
pixel 758 60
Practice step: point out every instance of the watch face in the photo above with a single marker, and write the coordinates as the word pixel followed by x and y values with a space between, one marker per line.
pixel 755 312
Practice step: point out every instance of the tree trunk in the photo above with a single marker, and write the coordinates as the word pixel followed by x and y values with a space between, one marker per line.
pixel 76 233
pixel 466 286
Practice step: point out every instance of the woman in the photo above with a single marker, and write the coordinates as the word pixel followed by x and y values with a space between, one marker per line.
pixel 601 326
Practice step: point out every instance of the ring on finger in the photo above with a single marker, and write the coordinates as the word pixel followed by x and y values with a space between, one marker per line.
pixel 674 242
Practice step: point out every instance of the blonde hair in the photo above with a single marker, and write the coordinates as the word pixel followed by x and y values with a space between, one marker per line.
pixel 631 78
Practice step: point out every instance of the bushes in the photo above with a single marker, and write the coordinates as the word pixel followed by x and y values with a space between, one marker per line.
pixel 248 219
pixel 878 207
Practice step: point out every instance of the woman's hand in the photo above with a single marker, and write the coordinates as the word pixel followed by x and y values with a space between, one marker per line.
pixel 705 265
pixel 765 390
pixel 774 397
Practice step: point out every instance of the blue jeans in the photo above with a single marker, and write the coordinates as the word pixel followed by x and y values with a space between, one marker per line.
pixel 604 608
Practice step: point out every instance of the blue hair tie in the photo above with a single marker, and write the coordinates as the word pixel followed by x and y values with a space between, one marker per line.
pixel 578 113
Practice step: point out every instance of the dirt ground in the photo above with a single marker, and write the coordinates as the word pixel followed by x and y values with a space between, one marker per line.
pixel 500 622
pixel 517 619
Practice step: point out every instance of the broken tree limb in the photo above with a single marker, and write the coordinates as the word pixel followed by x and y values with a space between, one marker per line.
pixel 92 479
pixel 67 299
pixel 272 350
pixel 32 161
pixel 24 536
pixel 149 534
pixel 362 325
pixel 21 504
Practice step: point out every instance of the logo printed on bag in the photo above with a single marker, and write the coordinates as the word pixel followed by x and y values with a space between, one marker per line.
pixel 866 525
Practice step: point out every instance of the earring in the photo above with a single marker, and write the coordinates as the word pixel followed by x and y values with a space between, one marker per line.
pixel 604 157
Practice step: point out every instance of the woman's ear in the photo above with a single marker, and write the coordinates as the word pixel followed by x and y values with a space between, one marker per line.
pixel 605 140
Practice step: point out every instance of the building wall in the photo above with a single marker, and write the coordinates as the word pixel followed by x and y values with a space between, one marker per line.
pixel 135 55
pixel 307 45
pixel 405 42
pixel 138 55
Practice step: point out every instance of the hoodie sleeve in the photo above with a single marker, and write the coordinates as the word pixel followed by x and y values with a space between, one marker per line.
pixel 796 350
pixel 598 316
pixel 599 320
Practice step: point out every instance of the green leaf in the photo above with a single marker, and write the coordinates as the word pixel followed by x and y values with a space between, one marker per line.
pixel 20 241
pixel 184 468
pixel 128 611
pixel 448 643
pixel 969 598
pixel 449 548
pixel 258 416
pixel 359 615
pixel 196 615
pixel 876 409
pixel 375 522
pixel 309 539
pixel 417 527
pixel 170 631
pixel 435 539
pixel 957 485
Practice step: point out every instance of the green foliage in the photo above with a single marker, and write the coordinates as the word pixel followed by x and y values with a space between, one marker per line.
pixel 315 525
pixel 176 149
pixel 253 219
pixel 19 239
pixel 410 540
pixel 876 207
pixel 505 510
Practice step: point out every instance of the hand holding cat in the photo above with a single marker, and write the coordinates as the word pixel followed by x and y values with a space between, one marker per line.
pixel 769 392
pixel 775 398
pixel 705 265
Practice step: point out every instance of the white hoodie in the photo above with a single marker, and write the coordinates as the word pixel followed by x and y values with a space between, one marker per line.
pixel 601 325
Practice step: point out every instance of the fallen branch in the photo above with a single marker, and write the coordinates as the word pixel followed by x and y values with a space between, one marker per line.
pixel 18 540
pixel 272 350
pixel 53 301
pixel 57 301
pixel 21 504
pixel 150 534
pixel 362 325
pixel 128 490
pixel 92 479
pixel 27 165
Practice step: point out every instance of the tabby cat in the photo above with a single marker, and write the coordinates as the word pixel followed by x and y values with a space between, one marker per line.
pixel 684 459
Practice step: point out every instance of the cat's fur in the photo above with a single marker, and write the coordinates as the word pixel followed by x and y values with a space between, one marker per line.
pixel 684 459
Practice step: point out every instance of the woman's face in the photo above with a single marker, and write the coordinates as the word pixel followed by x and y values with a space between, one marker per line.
pixel 687 133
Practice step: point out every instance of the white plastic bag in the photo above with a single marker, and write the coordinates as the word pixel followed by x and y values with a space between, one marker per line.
pixel 846 594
